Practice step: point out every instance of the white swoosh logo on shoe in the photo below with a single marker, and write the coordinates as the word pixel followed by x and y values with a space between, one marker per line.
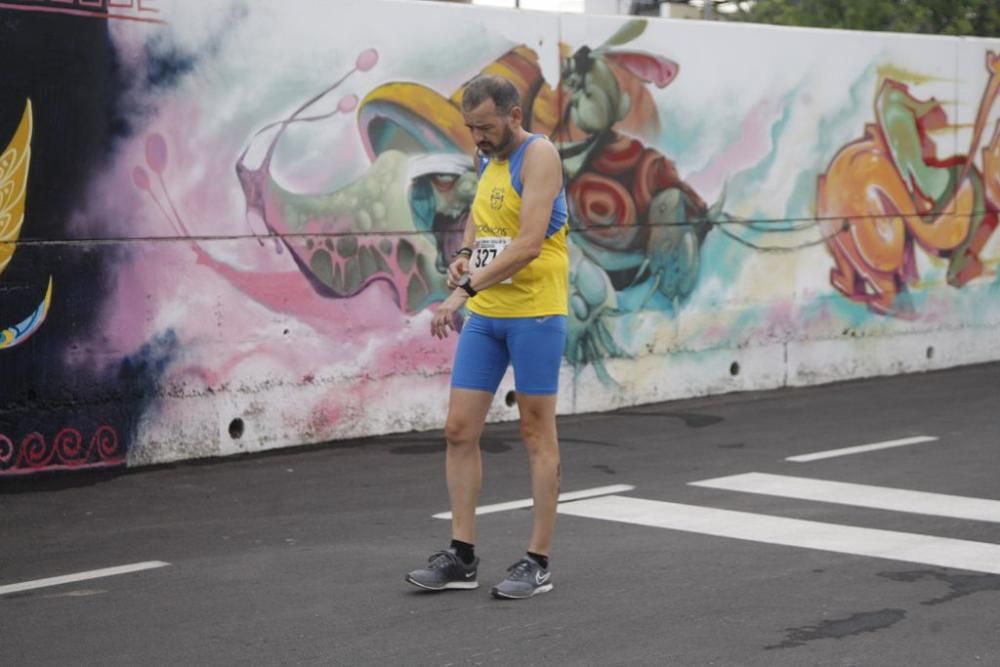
pixel 470 575
pixel 541 578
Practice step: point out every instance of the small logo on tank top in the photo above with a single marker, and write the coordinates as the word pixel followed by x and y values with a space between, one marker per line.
pixel 496 198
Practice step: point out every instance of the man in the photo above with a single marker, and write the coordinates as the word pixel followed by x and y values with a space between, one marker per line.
pixel 512 274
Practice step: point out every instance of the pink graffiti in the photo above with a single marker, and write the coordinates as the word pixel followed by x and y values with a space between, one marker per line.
pixel 65 451
pixel 366 60
pixel 754 143
pixel 280 291
pixel 348 104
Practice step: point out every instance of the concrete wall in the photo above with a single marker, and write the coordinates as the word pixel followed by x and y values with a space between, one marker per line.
pixel 225 224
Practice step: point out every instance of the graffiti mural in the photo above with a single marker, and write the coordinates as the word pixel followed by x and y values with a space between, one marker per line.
pixel 224 231
pixel 636 221
pixel 637 225
pixel 890 191
pixel 398 224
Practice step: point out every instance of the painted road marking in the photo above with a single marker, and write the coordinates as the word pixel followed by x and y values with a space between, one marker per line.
pixel 563 497
pixel 81 576
pixel 802 458
pixel 860 495
pixel 909 547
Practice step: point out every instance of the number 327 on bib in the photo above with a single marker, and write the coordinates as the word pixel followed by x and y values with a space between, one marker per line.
pixel 489 248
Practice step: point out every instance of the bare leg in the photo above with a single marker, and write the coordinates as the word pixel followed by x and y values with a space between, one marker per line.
pixel 467 410
pixel 538 430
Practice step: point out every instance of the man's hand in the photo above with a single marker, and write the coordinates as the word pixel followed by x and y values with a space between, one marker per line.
pixel 456 270
pixel 444 316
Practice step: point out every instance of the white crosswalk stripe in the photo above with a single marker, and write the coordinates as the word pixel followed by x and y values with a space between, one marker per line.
pixel 860 495
pixel 909 547
pixel 860 449
pixel 81 576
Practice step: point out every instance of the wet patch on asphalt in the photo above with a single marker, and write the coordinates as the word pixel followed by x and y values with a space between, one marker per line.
pixel 960 584
pixel 865 621
pixel 690 419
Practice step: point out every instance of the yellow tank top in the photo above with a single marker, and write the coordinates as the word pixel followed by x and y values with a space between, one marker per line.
pixel 542 287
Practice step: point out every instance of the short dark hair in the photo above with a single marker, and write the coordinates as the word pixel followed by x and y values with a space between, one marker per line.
pixel 485 86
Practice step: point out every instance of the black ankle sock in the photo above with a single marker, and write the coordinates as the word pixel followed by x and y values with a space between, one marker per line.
pixel 540 559
pixel 464 550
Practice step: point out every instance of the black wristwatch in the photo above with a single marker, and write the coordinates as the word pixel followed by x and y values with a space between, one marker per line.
pixel 465 282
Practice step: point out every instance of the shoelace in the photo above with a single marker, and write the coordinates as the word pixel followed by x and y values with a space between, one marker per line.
pixel 521 569
pixel 437 557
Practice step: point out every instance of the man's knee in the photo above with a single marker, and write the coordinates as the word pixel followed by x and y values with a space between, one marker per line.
pixel 538 418
pixel 531 430
pixel 461 431
pixel 539 436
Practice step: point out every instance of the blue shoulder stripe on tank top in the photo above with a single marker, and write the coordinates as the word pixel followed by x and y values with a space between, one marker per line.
pixel 559 209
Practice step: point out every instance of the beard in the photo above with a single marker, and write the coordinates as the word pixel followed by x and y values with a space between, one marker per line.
pixel 492 150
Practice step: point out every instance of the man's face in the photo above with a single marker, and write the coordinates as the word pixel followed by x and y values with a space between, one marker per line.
pixel 493 132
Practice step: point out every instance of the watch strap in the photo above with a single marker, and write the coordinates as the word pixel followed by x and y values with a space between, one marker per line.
pixel 466 284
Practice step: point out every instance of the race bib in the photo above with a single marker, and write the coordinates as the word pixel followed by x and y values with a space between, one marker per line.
pixel 489 248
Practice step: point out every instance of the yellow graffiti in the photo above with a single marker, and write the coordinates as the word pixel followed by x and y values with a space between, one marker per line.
pixel 14 163
pixel 896 73
pixel 13 185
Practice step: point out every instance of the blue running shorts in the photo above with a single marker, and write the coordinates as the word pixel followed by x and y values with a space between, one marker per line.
pixel 533 345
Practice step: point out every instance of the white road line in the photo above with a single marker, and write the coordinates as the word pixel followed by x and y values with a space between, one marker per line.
pixel 81 576
pixel 909 547
pixel 802 458
pixel 563 497
pixel 860 495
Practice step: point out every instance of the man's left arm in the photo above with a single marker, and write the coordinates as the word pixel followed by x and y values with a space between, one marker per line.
pixel 541 175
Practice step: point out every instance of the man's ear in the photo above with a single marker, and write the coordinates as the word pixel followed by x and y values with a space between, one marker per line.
pixel 517 116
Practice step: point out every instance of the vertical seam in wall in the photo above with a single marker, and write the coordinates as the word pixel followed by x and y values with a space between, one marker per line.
pixel 784 380
pixel 957 67
pixel 574 408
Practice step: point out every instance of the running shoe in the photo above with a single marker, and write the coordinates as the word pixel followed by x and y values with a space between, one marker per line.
pixel 445 570
pixel 525 578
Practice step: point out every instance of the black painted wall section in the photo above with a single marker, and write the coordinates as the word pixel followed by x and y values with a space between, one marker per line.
pixel 52 415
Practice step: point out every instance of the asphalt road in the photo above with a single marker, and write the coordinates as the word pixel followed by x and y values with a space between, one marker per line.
pixel 297 558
